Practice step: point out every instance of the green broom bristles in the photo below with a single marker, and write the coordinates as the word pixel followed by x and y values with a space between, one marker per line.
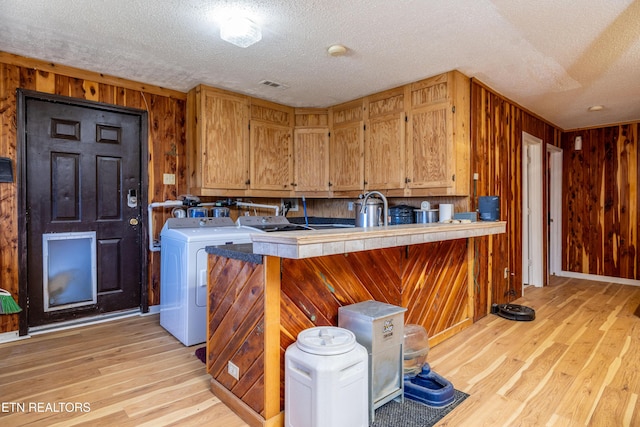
pixel 7 304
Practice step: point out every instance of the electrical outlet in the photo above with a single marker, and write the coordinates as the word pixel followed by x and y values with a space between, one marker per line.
pixel 476 176
pixel 292 203
pixel 506 272
pixel 169 179
pixel 350 206
pixel 233 370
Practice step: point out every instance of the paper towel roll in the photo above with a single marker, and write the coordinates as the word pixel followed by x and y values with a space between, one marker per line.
pixel 446 212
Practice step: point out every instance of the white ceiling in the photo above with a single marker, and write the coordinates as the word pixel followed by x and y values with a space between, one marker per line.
pixel 553 57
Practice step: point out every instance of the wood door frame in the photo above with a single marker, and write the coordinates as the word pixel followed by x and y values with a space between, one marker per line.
pixel 22 95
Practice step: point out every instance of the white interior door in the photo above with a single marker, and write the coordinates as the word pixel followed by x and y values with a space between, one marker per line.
pixel 532 214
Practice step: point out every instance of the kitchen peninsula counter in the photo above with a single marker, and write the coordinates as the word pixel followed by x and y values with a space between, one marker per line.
pixel 261 295
pixel 314 243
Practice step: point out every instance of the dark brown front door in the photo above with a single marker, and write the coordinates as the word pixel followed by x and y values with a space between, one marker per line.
pixel 82 171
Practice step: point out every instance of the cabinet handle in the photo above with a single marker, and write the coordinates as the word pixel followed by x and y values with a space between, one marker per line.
pixel 365 183
pixel 407 180
pixel 247 182
pixel 330 184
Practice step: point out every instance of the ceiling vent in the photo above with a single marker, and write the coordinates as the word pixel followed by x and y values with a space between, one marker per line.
pixel 274 85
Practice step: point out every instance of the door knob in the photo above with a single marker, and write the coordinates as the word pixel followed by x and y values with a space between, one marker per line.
pixel 133 221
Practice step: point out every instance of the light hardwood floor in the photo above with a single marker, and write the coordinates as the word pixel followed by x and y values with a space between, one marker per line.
pixel 577 364
pixel 130 372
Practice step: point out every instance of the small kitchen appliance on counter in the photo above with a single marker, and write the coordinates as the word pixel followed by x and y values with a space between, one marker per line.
pixel 489 208
pixel 420 382
pixel 400 214
pixel 369 212
pixel 425 216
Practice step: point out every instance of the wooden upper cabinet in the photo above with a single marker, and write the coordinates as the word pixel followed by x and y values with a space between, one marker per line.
pixel 217 141
pixel 311 151
pixel 271 146
pixel 385 130
pixel 429 153
pixel 438 145
pixel 346 145
pixel 409 141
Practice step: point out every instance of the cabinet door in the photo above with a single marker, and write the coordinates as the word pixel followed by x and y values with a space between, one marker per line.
pixel 311 161
pixel 429 147
pixel 385 152
pixel 271 156
pixel 347 157
pixel 219 141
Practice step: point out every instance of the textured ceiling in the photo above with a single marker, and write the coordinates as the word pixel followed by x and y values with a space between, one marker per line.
pixel 555 58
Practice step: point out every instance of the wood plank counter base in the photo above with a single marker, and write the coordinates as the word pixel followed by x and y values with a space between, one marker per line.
pixel 306 244
pixel 262 295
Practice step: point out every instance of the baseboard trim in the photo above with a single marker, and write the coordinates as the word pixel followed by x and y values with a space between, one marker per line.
pixel 12 336
pixel 595 277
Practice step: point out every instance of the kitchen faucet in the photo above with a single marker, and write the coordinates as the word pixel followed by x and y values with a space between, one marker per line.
pixel 385 211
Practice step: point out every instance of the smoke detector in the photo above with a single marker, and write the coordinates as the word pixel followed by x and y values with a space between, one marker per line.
pixel 337 50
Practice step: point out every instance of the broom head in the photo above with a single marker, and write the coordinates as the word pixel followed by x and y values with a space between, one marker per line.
pixel 7 304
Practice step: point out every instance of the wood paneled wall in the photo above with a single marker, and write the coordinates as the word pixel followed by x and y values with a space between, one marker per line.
pixel 496 152
pixel 236 328
pixel 601 202
pixel 431 280
pixel 166 118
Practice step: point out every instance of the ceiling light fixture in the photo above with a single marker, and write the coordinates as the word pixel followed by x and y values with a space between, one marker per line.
pixel 337 50
pixel 240 31
pixel 596 108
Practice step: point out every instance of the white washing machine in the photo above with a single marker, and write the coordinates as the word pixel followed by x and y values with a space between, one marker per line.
pixel 183 272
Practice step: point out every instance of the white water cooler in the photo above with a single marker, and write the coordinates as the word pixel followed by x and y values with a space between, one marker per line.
pixel 325 380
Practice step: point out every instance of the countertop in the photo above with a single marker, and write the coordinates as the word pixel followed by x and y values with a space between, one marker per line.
pixel 313 243
pixel 242 252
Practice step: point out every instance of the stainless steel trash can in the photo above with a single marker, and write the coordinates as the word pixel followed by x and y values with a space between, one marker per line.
pixel 379 327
